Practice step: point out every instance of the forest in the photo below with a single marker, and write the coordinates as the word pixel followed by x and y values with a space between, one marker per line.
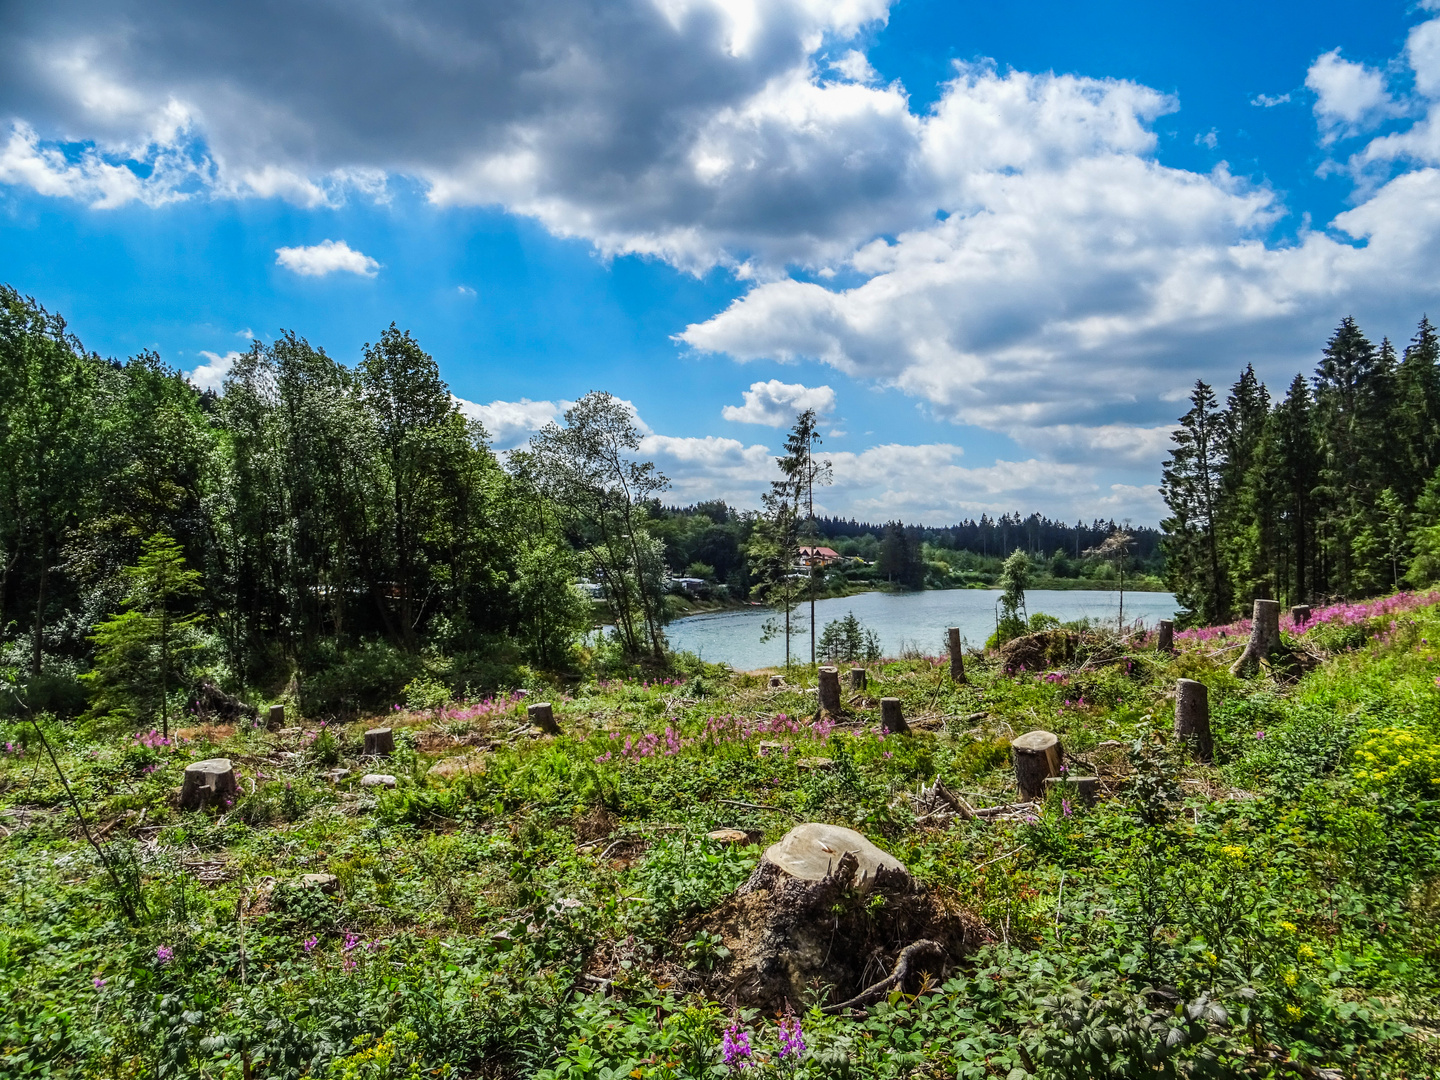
pixel 1329 491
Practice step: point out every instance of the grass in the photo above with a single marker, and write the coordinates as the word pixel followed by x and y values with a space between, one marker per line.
pixel 521 906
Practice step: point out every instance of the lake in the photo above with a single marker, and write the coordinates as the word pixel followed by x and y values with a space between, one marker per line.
pixel 900 619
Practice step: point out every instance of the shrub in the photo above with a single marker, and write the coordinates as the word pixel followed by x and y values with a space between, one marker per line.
pixel 370 676
pixel 1398 758
pixel 424 692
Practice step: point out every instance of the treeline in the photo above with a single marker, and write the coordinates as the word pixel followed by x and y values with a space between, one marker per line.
pixel 1331 491
pixel 999 536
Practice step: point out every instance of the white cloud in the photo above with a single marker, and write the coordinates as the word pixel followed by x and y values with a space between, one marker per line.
pixel 211 374
pixel 464 290
pixel 326 257
pixel 710 468
pixel 776 403
pixel 1348 95
pixel 510 423
pixel 1269 101
pixel 247 334
pixel 1210 140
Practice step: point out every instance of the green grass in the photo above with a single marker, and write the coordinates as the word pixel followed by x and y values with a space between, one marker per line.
pixel 1265 914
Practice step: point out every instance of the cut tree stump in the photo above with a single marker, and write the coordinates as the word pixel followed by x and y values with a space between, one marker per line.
pixel 892 720
pixel 1084 788
pixel 208 783
pixel 1165 637
pixel 957 654
pixel 857 679
pixel 1192 718
pixel 1300 614
pixel 1264 637
pixel 379 741
pixel 1037 754
pixel 830 690
pixel 277 717
pixel 777 682
pixel 542 716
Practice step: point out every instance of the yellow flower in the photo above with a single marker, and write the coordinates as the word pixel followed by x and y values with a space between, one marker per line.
pixel 1306 952
pixel 1291 979
pixel 1294 1011
pixel 1288 927
pixel 1233 851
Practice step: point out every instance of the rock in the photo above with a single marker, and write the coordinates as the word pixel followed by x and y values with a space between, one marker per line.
pixel 811 852
pixel 377 780
pixel 208 783
pixel 815 763
pixel 379 741
pixel 336 775
pixel 326 883
pixel 729 836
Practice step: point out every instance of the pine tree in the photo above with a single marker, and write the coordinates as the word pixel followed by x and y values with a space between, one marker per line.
pixel 1245 524
pixel 1294 469
pixel 1191 486
pixel 144 652
pixel 1417 416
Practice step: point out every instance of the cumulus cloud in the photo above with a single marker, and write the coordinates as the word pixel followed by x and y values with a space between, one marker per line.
pixel 211 374
pixel 1348 96
pixel 776 403
pixel 510 423
pixel 326 257
pixel 1269 101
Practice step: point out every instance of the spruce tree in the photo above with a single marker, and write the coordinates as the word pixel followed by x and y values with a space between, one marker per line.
pixel 1191 486
pixel 1417 415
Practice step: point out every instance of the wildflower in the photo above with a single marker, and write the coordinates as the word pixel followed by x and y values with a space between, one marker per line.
pixel 1288 927
pixel 1293 1011
pixel 164 954
pixel 348 964
pixel 792 1039
pixel 1260 734
pixel 99 982
pixel 1233 851
pixel 1065 807
pixel 310 943
pixel 351 940
pixel 735 1046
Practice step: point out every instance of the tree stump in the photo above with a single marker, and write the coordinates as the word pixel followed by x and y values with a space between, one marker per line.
pixel 777 682
pixel 1192 718
pixel 1264 637
pixel 277 718
pixel 830 690
pixel 1300 614
pixel 1165 636
pixel 892 720
pixel 542 716
pixel 1083 788
pixel 208 783
pixel 957 655
pixel 379 741
pixel 858 679
pixel 1037 754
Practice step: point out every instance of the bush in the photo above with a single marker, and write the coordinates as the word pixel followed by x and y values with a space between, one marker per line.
pixel 1398 758
pixel 424 692
pixel 370 676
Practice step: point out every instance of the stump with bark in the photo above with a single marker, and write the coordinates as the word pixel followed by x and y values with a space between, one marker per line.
pixel 1264 637
pixel 1037 755
pixel 209 783
pixel 1165 636
pixel 777 682
pixel 957 654
pixel 379 741
pixel 1192 718
pixel 892 720
pixel 858 680
pixel 830 690
pixel 542 716
pixel 1300 614
pixel 276 718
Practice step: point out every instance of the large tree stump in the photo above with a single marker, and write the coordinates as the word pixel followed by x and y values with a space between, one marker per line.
pixel 1264 637
pixel 1165 636
pixel 957 654
pixel 379 741
pixel 777 682
pixel 276 719
pixel 1192 718
pixel 858 679
pixel 830 690
pixel 892 720
pixel 542 716
pixel 1300 614
pixel 208 783
pixel 1037 754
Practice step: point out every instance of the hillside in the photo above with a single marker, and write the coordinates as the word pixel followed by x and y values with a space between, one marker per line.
pixel 521 904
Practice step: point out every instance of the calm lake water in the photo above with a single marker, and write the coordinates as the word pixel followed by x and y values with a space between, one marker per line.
pixel 900 619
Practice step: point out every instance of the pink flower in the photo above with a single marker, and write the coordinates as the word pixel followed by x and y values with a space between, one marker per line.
pixel 164 954
pixel 1260 734
pixel 310 943
pixel 99 982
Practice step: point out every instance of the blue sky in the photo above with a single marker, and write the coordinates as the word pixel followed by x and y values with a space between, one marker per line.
pixel 994 244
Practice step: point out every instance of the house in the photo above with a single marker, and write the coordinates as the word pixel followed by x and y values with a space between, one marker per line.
pixel 819 556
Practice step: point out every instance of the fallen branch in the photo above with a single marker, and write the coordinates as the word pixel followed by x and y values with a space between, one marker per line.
pixel 997 858
pixel 908 955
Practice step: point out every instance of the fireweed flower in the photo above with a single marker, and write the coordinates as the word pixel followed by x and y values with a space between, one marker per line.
pixel 351 940
pixel 99 982
pixel 1260 734
pixel 735 1046
pixel 164 954
pixel 310 943
pixel 792 1039
pixel 1065 807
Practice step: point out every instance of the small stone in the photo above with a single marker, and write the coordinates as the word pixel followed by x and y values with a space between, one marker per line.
pixel 326 883
pixel 729 836
pixel 336 775
pixel 377 780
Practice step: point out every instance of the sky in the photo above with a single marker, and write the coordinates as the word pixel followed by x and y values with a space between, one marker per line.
pixel 993 245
